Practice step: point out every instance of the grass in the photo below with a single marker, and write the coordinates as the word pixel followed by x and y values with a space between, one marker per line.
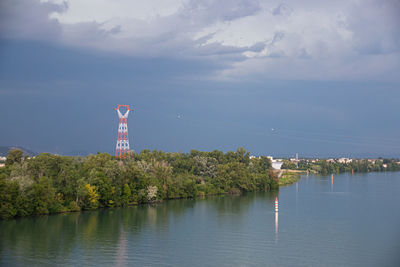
pixel 289 177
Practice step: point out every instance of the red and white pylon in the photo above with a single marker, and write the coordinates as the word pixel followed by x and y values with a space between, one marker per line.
pixel 122 147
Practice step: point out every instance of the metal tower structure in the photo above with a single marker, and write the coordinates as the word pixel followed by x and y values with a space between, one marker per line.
pixel 122 147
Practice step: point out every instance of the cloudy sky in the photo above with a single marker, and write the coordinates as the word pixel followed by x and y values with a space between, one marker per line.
pixel 313 77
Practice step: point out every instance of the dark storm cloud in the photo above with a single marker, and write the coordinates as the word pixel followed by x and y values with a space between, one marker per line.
pixel 376 26
pixel 231 71
pixel 227 34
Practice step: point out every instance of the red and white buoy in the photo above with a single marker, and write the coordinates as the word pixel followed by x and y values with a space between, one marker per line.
pixel 276 205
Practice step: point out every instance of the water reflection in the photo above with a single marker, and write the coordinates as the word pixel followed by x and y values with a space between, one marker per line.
pixel 276 226
pixel 60 235
pixel 276 218
pixel 323 229
pixel 109 232
pixel 120 259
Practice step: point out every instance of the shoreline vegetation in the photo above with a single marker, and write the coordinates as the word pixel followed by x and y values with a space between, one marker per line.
pixel 289 176
pixel 336 166
pixel 48 184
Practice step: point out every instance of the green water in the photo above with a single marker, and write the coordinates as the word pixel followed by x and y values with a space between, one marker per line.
pixel 352 221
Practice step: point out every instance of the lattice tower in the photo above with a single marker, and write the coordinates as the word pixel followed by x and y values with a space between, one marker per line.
pixel 122 147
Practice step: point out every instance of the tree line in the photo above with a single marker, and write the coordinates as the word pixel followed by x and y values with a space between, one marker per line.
pixel 325 167
pixel 48 183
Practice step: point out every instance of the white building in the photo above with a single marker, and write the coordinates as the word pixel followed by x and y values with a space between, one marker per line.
pixel 345 160
pixel 276 163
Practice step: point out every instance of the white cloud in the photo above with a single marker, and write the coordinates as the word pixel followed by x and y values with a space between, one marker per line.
pixel 102 11
pixel 308 39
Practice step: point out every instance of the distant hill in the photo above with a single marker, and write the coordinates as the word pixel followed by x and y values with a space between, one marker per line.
pixel 77 153
pixel 4 150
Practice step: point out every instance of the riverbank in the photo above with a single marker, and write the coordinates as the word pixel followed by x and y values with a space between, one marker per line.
pixel 288 177
pixel 47 184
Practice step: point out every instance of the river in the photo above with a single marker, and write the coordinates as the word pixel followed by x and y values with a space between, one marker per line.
pixel 350 220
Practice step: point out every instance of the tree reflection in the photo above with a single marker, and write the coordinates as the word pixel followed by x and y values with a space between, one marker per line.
pixel 110 231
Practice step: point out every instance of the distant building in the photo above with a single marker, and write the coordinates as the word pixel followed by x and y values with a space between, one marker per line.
pixel 3 158
pixel 2 165
pixel 276 163
pixel 344 160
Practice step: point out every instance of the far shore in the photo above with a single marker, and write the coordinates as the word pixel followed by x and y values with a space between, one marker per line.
pixel 288 177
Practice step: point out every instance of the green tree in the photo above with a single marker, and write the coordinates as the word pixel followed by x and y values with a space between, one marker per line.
pixel 43 197
pixel 91 197
pixel 104 186
pixel 9 192
pixel 14 155
pixel 126 194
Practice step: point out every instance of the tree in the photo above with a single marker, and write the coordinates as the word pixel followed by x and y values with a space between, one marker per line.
pixel 9 192
pixel 288 165
pixel 206 166
pixel 242 155
pixel 126 194
pixel 161 171
pixel 233 176
pixel 260 165
pixel 43 197
pixel 44 164
pixel 152 193
pixel 104 187
pixel 14 155
pixel 91 197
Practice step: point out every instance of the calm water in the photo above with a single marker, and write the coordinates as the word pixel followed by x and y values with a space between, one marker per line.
pixel 354 221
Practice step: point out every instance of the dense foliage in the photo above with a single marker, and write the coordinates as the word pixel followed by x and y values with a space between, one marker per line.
pixel 50 183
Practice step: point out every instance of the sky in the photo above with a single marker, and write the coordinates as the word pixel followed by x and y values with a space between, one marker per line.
pixel 318 78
